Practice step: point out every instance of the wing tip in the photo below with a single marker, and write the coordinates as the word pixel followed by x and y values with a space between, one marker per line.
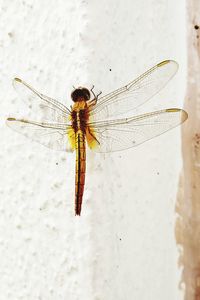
pixel 183 113
pixel 167 61
pixel 17 79
pixel 11 119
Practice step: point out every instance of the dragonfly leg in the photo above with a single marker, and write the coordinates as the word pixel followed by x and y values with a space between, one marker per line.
pixel 93 135
pixel 94 101
pixel 91 90
pixel 99 94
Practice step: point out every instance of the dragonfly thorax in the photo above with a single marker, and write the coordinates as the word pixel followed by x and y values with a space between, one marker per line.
pixel 80 94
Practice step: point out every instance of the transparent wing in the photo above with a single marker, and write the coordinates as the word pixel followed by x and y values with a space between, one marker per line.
pixel 56 136
pixel 134 94
pixel 45 107
pixel 115 135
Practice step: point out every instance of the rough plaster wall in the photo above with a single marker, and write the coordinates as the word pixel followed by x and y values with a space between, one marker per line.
pixel 123 245
pixel 188 205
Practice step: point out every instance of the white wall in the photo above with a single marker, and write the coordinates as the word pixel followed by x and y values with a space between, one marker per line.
pixel 123 245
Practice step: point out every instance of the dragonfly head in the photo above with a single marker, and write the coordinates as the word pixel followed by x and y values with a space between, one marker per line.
pixel 80 94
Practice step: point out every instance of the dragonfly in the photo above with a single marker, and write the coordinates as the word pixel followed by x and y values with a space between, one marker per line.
pixel 103 123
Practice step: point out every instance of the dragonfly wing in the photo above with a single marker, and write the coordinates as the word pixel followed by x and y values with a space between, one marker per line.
pixel 115 135
pixel 45 107
pixel 57 136
pixel 136 93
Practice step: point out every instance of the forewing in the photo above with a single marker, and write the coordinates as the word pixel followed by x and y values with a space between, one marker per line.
pixel 45 107
pixel 136 93
pixel 57 136
pixel 129 132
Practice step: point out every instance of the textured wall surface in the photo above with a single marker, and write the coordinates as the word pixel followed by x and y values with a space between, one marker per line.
pixel 122 247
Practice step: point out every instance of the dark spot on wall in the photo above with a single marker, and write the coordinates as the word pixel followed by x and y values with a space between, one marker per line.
pixel 196 27
pixel 10 34
pixel 110 70
pixel 57 164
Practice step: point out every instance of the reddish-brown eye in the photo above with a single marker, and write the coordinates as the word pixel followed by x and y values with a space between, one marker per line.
pixel 80 93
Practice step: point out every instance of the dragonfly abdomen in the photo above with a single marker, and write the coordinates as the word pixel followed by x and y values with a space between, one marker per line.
pixel 80 170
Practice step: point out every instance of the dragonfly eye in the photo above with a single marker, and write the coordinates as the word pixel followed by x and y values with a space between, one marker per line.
pixel 79 94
